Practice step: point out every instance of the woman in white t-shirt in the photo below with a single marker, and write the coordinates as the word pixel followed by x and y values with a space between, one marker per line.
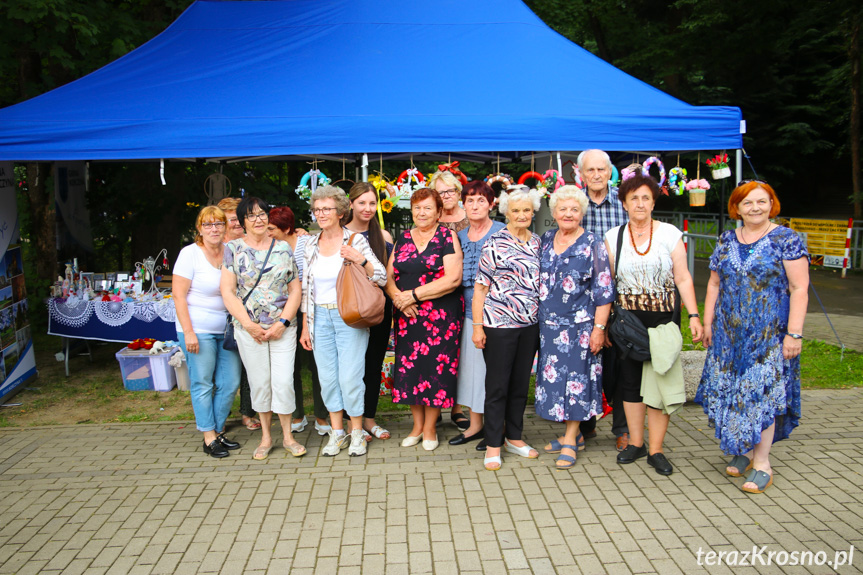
pixel 201 313
pixel 652 264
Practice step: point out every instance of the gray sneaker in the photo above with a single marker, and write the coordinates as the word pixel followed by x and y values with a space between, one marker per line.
pixel 358 443
pixel 335 444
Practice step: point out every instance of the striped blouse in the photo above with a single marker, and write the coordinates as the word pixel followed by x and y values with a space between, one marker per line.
pixel 510 269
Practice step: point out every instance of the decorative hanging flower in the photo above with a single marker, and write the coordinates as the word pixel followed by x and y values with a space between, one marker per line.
pixel 387 205
pixel 719 162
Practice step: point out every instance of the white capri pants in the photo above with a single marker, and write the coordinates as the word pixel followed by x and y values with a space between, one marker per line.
pixel 270 369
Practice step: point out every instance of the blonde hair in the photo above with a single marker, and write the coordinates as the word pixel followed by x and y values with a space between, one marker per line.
pixel 210 214
pixel 568 192
pixel 229 204
pixel 446 177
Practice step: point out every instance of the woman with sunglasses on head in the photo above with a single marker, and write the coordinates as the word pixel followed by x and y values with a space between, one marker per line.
pixel 750 387
pixel 339 349
pixel 214 372
pixel 261 289
pixel 362 218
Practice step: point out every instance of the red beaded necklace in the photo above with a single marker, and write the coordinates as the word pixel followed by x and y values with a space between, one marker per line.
pixel 649 243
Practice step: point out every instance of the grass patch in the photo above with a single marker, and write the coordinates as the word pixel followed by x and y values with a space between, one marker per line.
pixel 820 367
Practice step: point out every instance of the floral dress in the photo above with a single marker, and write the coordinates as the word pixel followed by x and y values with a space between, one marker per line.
pixel 427 346
pixel 746 384
pixel 572 285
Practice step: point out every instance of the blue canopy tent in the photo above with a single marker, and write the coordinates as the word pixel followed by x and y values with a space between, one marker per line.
pixel 251 79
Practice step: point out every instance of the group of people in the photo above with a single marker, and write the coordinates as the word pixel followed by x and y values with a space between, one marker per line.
pixel 470 301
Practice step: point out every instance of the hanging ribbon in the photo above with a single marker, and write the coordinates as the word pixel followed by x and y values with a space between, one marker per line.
pixel 313 185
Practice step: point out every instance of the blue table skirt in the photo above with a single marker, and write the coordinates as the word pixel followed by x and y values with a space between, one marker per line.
pixel 113 321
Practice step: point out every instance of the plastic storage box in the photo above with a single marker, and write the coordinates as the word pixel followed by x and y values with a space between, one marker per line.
pixel 143 371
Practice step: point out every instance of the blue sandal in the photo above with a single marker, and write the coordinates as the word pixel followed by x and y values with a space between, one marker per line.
pixel 761 479
pixel 741 462
pixel 556 445
pixel 567 459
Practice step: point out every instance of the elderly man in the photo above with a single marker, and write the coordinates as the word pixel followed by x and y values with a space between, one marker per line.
pixel 604 211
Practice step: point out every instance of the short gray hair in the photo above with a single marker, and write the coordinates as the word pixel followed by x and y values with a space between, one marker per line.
pixel 568 192
pixel 334 192
pixel 605 157
pixel 519 194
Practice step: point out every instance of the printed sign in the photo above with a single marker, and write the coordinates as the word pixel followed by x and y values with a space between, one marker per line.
pixel 825 240
pixel 17 359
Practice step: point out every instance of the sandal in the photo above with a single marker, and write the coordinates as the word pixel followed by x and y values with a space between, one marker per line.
pixel 761 479
pixel 523 451
pixel 367 436
pixel 294 449
pixel 492 463
pixel 251 423
pixel 262 452
pixel 738 462
pixel 568 460
pixel 555 445
pixel 380 433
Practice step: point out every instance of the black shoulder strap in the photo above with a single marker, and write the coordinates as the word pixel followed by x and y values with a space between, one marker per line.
pixel 260 275
pixel 619 249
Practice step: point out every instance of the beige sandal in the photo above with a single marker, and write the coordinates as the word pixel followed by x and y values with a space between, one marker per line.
pixel 294 449
pixel 262 452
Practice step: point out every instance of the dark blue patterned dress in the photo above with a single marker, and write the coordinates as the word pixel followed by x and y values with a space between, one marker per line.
pixel 746 383
pixel 572 285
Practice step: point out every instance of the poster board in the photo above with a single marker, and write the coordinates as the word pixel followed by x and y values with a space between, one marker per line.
pixel 825 240
pixel 17 358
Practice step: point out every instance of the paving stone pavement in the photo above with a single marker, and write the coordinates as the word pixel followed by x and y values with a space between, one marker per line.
pixel 143 498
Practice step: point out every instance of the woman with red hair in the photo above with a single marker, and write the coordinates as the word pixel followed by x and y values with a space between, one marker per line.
pixel 750 386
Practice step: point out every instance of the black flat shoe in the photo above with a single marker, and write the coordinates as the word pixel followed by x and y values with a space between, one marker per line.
pixel 215 449
pixel 660 464
pixel 631 453
pixel 481 446
pixel 461 439
pixel 227 443
pixel 460 420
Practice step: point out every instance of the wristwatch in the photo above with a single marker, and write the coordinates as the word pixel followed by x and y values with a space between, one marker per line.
pixel 600 326
pixel 794 335
pixel 284 322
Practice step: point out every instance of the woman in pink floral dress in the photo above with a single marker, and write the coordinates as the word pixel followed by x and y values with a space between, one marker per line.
pixel 423 274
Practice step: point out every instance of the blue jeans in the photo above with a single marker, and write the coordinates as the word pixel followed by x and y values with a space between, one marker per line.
pixel 215 376
pixel 340 354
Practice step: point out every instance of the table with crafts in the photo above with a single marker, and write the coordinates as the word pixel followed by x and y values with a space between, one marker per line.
pixel 122 322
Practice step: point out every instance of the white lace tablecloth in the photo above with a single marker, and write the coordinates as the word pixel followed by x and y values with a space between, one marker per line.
pixel 112 321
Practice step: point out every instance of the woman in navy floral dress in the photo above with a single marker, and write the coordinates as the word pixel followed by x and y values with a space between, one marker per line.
pixel 575 296
pixel 750 386
pixel 424 273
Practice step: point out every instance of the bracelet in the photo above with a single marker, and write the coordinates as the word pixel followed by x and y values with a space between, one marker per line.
pixel 476 324
pixel 694 315
pixel 599 326
pixel 365 261
pixel 414 293
pixel 794 335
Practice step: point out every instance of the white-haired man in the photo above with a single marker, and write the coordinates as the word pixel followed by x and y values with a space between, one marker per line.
pixel 604 211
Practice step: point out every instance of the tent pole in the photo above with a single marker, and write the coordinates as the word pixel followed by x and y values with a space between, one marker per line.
pixel 559 166
pixel 365 167
pixel 738 159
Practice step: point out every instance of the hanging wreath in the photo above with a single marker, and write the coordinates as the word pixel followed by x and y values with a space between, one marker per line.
pixel 310 182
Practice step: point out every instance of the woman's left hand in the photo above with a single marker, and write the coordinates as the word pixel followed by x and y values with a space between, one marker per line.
pixel 403 299
pixel 274 332
pixel 352 254
pixel 696 329
pixel 791 347
pixel 597 340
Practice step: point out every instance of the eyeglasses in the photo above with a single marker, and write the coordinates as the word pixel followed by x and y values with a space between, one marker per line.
pixel 450 192
pixel 262 216
pixel 324 211
pixel 757 181
pixel 211 225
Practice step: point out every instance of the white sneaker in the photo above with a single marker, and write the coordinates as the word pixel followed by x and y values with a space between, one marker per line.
pixel 299 427
pixel 322 429
pixel 335 444
pixel 358 443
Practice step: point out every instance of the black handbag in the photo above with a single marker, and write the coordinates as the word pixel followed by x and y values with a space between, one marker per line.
pixel 625 329
pixel 230 342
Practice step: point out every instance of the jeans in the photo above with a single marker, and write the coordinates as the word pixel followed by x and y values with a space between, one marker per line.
pixel 340 353
pixel 215 375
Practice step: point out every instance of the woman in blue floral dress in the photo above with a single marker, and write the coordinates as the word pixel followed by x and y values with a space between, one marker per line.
pixel 575 295
pixel 750 386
